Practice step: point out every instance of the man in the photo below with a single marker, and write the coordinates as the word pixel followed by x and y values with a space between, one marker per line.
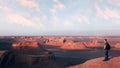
pixel 106 48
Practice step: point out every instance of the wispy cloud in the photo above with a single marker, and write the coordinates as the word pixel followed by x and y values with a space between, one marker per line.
pixel 61 26
pixel 100 12
pixel 68 25
pixel 55 21
pixel 35 21
pixel 114 2
pixel 38 19
pixel 22 18
pixel 111 13
pixel 116 21
pixel 82 19
pixel 58 6
pixel 106 12
pixel 30 4
pixel 5 8
pixel 16 17
pixel 19 19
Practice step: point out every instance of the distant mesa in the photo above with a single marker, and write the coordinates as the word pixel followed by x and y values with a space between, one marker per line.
pixel 33 44
pixel 69 44
pixel 99 63
pixel 28 47
pixel 117 45
pixel 56 41
pixel 28 54
pixel 91 43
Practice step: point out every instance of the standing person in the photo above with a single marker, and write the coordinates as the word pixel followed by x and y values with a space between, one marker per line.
pixel 106 48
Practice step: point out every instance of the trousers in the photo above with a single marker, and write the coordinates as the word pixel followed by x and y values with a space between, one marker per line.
pixel 106 54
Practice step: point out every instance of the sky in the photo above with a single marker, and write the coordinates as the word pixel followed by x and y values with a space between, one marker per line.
pixel 59 17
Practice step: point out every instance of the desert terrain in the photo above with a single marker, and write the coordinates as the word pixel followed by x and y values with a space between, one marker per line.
pixel 58 52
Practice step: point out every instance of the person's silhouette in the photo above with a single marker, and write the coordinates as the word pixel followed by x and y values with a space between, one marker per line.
pixel 106 48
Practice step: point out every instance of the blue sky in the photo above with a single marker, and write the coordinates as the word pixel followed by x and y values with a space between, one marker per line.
pixel 59 17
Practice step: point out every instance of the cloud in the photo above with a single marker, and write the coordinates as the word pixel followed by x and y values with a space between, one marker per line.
pixel 100 12
pixel 35 21
pixel 111 13
pixel 16 17
pixel 39 22
pixel 58 6
pixel 114 2
pixel 22 18
pixel 55 19
pixel 53 10
pixel 19 19
pixel 107 13
pixel 68 25
pixel 82 19
pixel 30 4
pixel 4 8
pixel 58 25
pixel 39 19
pixel 55 22
pixel 116 21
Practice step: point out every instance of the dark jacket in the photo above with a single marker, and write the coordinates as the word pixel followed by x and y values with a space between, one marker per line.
pixel 107 46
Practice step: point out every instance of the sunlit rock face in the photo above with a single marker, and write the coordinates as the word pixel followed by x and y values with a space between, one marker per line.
pixel 117 45
pixel 28 47
pixel 99 63
pixel 28 54
pixel 69 44
pixel 59 41
pixel 56 41
pixel 25 44
pixel 91 43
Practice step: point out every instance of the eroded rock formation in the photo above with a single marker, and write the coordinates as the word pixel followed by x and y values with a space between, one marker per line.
pixel 28 47
pixel 55 41
pixel 99 63
pixel 25 44
pixel 69 44
pixel 11 59
pixel 117 45
pixel 91 43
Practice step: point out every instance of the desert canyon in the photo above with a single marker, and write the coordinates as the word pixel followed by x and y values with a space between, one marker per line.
pixel 58 52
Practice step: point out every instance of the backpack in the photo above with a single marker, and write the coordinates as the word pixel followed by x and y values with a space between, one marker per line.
pixel 108 46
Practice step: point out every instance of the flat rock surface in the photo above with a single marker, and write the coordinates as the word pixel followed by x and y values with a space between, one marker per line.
pixel 99 63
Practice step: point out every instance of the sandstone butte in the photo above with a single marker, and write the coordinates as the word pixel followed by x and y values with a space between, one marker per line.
pixel 91 43
pixel 54 41
pixel 73 45
pixel 12 59
pixel 23 44
pixel 60 41
pixel 28 47
pixel 117 45
pixel 99 63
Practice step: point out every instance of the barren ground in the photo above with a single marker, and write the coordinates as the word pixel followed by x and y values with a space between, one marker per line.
pixel 74 57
